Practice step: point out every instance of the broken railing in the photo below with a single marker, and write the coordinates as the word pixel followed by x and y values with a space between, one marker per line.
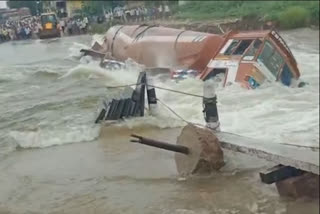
pixel 135 105
pixel 296 172
pixel 130 107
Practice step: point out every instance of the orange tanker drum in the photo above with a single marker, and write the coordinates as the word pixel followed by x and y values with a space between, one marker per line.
pixel 155 46
pixel 249 58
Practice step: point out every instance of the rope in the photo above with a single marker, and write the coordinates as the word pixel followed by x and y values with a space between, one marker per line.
pixel 175 91
pixel 182 119
pixel 170 109
pixel 158 87
pixel 122 86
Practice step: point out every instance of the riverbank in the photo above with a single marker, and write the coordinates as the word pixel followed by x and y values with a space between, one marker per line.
pixel 222 16
pixel 218 26
pixel 283 14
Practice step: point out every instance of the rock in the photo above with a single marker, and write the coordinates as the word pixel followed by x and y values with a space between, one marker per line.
pixel 205 155
pixel 306 185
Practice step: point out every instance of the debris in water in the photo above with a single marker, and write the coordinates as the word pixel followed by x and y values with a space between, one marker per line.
pixel 205 152
pixel 197 150
pixel 182 179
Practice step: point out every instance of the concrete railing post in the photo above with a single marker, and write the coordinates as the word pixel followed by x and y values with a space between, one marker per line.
pixel 151 94
pixel 210 109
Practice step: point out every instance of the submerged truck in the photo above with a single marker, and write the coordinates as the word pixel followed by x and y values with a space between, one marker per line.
pixel 49 26
pixel 248 58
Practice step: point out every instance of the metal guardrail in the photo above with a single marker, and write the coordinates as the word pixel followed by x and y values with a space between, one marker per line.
pixel 125 108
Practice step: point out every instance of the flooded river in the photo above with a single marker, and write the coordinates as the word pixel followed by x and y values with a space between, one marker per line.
pixel 54 159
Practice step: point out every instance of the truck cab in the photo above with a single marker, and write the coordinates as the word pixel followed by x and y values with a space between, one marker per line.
pixel 49 26
pixel 252 58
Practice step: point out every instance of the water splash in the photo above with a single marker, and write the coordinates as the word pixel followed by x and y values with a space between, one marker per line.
pixel 41 138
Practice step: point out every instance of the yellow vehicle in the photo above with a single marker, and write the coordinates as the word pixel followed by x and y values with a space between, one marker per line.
pixel 49 26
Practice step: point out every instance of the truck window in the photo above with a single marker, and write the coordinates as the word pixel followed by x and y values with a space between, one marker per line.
pixel 244 44
pixel 231 47
pixel 250 54
pixel 271 58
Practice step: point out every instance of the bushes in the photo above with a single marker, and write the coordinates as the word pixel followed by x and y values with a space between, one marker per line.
pixel 314 13
pixel 289 14
pixel 293 17
pixel 98 28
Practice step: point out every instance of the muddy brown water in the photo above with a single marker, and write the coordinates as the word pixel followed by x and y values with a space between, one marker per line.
pixel 111 175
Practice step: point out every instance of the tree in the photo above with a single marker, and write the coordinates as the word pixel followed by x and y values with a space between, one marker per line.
pixel 171 3
pixel 96 7
pixel 34 6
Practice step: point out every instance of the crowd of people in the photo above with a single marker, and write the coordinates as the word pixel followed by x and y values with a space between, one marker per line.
pixel 29 27
pixel 26 28
pixel 139 14
pixel 74 26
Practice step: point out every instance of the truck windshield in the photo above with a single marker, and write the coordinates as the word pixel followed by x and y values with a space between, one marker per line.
pixel 250 54
pixel 271 58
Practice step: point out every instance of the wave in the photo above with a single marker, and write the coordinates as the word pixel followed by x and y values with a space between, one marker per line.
pixel 91 69
pixel 97 38
pixel 19 72
pixel 74 50
pixel 46 74
pixel 41 138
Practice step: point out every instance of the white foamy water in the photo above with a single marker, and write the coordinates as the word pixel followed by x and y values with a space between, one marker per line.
pixel 273 112
pixel 58 136
pixel 74 50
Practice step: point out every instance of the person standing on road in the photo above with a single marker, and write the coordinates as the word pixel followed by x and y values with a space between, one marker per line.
pixel 62 25
pixel 85 23
pixel 166 11
pixel 132 15
pixel 69 27
pixel 137 15
pixel 160 11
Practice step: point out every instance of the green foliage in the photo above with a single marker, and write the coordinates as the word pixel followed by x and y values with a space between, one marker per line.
pixel 171 3
pixel 31 4
pixel 98 28
pixel 293 17
pixel 96 7
pixel 278 11
pixel 313 8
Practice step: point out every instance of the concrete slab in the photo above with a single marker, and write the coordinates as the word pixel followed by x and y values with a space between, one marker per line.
pixel 298 157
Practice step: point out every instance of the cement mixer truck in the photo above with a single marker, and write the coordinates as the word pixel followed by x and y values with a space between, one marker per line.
pixel 248 58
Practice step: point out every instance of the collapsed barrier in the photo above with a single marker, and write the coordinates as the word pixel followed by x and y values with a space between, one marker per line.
pixel 135 106
pixel 296 176
pixel 194 154
pixel 130 107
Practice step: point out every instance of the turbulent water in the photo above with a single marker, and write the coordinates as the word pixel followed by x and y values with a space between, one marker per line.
pixel 49 95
